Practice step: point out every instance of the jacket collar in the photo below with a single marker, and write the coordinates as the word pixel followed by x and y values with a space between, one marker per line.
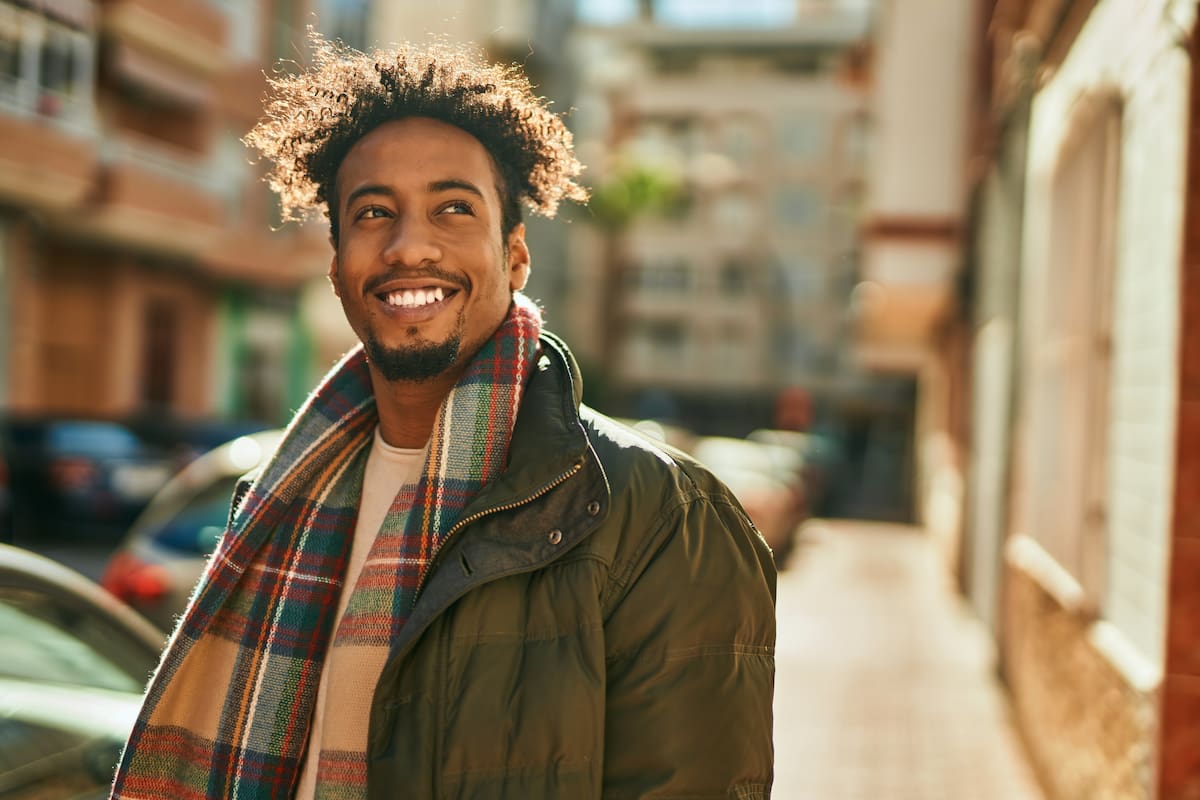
pixel 548 438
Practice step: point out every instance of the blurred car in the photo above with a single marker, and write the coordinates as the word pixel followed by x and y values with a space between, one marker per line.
pixel 159 561
pixel 188 438
pixel 824 464
pixel 74 668
pixel 768 480
pixel 6 527
pixel 79 477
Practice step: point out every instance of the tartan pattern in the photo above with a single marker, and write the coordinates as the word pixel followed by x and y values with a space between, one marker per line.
pixel 227 713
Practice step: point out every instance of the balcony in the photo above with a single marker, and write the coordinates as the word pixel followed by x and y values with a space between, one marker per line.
pixel 42 165
pixel 153 199
pixel 271 258
pixel 190 33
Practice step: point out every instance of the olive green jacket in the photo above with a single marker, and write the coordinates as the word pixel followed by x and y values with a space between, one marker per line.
pixel 600 624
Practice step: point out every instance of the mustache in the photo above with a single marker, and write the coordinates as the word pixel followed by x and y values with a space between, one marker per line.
pixel 427 271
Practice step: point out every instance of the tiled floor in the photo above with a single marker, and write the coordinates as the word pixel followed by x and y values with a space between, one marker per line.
pixel 884 689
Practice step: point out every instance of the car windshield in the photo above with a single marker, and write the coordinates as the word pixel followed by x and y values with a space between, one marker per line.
pixel 47 641
pixel 196 525
pixel 92 438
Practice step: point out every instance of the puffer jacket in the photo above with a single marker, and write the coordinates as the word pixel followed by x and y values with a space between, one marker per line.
pixel 599 624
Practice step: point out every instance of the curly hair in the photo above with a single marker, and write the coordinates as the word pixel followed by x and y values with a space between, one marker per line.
pixel 313 119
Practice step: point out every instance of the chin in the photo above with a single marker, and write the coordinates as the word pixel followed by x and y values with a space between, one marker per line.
pixel 416 362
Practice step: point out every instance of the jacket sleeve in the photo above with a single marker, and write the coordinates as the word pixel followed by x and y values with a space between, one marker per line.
pixel 691 659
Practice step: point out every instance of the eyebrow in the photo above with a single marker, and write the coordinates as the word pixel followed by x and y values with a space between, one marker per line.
pixel 433 187
pixel 450 184
pixel 368 189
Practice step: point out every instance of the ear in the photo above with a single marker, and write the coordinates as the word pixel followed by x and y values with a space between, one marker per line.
pixel 518 258
pixel 333 281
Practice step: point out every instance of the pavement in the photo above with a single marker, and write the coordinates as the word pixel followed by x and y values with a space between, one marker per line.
pixel 885 683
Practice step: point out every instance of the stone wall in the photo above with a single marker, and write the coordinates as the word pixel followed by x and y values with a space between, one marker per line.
pixel 1089 729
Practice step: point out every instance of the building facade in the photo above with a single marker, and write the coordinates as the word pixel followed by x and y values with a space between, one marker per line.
pixel 140 271
pixel 1081 519
pixel 737 291
pixel 910 301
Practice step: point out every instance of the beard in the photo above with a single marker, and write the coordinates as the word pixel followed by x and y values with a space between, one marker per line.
pixel 418 362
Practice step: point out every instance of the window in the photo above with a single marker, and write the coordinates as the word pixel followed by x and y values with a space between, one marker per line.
pixel 58 62
pixel 734 353
pixel 287 37
pixel 266 338
pixel 857 138
pixel 245 27
pixel 1069 391
pixel 45 65
pixel 799 206
pixel 668 276
pixel 735 215
pixel 799 279
pixel 725 13
pixel 606 12
pixel 666 140
pixel 802 136
pixel 740 139
pixel 10 47
pixel 345 20
pixel 656 345
pixel 735 277
pixel 160 343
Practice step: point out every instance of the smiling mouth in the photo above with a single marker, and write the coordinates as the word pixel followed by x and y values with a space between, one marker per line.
pixel 417 298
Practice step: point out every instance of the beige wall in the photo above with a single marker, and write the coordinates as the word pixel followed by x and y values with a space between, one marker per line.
pixel 921 80
pixel 1128 49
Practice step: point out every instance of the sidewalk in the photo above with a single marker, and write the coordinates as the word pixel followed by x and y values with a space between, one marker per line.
pixel 884 689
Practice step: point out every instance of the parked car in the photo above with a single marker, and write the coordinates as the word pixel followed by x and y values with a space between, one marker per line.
pixel 74 668
pixel 824 464
pixel 768 479
pixel 79 477
pixel 187 438
pixel 160 559
pixel 6 525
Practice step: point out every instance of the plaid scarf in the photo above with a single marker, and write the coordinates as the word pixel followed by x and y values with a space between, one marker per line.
pixel 227 713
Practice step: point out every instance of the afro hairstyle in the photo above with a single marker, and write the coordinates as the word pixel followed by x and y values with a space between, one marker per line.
pixel 312 120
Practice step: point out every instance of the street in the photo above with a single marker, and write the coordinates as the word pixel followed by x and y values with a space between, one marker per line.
pixel 884 687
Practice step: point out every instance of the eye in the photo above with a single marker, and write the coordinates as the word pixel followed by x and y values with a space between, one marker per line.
pixel 457 207
pixel 372 212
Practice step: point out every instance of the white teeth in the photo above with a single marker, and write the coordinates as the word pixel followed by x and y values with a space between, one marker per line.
pixel 414 298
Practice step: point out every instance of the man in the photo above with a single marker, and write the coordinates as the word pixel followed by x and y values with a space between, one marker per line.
pixel 453 580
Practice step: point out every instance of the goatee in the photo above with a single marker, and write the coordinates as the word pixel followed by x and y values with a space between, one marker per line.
pixel 420 362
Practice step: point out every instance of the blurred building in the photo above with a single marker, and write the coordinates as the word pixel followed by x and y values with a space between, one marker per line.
pixel 139 272
pixel 1083 294
pixel 909 300
pixel 733 291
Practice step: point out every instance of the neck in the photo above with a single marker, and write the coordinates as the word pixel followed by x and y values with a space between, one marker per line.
pixel 407 409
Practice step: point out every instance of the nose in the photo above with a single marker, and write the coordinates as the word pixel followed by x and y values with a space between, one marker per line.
pixel 412 244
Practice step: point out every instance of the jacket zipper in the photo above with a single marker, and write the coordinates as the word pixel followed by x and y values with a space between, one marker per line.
pixel 487 511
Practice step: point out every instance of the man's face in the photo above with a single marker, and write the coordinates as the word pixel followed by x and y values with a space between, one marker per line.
pixel 423 272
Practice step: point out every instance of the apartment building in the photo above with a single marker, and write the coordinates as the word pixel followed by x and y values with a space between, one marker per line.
pixel 739 292
pixel 141 271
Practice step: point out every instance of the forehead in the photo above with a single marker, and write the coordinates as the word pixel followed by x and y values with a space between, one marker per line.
pixel 415 151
